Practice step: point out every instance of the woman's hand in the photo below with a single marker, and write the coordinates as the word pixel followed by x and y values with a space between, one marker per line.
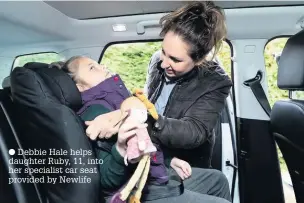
pixel 126 131
pixel 105 125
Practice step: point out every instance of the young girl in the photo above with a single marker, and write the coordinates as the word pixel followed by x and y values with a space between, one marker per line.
pixel 103 92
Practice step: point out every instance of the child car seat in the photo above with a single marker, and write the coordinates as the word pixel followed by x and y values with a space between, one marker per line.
pixel 46 100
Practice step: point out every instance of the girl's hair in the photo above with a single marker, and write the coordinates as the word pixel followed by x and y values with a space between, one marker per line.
pixel 68 66
pixel 200 24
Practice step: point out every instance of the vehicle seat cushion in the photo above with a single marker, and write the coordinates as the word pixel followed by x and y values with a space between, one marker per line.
pixel 290 128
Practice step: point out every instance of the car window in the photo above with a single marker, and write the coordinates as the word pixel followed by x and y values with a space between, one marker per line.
pixel 130 60
pixel 272 54
pixel 37 57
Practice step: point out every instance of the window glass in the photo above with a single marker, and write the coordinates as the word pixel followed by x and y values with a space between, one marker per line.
pixel 39 57
pixel 130 60
pixel 272 54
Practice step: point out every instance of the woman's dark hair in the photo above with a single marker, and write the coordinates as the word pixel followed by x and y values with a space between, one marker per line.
pixel 68 66
pixel 200 24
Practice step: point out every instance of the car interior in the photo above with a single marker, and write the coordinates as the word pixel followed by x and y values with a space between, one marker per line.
pixel 37 103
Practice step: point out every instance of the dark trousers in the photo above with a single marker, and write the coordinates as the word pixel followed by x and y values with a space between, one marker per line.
pixel 208 181
pixel 204 185
pixel 190 197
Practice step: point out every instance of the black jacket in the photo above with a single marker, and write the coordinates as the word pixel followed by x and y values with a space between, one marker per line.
pixel 187 128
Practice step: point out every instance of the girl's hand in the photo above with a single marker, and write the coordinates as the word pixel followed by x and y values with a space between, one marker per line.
pixel 182 168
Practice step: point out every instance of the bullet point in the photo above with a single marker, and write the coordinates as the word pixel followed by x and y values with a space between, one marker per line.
pixel 11 151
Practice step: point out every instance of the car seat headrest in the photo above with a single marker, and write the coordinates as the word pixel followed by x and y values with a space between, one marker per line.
pixel 37 78
pixel 6 82
pixel 291 65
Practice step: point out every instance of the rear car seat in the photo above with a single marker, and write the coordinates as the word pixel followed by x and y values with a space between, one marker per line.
pixel 46 99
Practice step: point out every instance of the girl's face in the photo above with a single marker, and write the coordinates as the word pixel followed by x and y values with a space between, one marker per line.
pixel 175 58
pixel 89 73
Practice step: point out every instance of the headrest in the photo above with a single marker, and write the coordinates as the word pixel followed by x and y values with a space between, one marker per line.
pixel 6 82
pixel 291 65
pixel 40 80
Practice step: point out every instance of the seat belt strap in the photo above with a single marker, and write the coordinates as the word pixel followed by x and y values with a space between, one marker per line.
pixel 258 91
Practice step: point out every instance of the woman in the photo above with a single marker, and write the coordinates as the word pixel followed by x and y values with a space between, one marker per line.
pixel 188 91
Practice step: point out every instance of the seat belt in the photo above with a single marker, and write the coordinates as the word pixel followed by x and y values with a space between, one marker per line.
pixel 258 91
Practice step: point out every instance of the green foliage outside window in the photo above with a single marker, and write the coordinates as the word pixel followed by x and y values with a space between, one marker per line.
pixel 131 60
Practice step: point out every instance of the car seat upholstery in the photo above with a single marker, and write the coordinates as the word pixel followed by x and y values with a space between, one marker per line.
pixel 46 100
pixel 287 116
pixel 9 192
pixel 6 82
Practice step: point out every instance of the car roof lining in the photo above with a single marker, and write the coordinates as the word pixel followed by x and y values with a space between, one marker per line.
pixel 38 27
pixel 102 9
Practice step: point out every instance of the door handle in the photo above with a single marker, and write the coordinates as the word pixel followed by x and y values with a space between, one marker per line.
pixel 140 27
